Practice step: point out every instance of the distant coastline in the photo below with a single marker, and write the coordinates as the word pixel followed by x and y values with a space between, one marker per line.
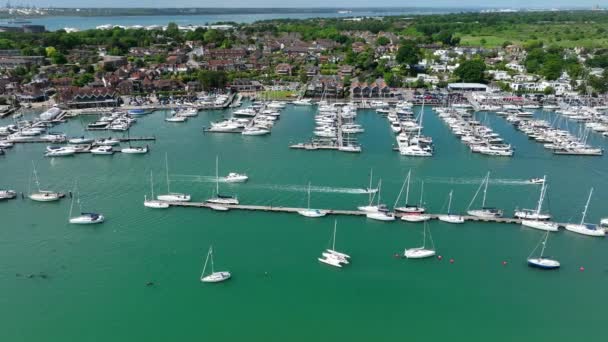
pixel 145 11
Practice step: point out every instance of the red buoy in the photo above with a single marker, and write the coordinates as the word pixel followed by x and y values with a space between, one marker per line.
pixel 439 257
pixel 581 268
pixel 504 263
pixel 451 261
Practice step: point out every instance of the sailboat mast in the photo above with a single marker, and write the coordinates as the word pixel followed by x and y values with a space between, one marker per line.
pixel 543 189
pixel 400 192
pixel 206 261
pixel 450 202
pixel 211 253
pixel 407 192
pixel 379 187
pixel 333 245
pixel 485 191
pixel 369 189
pixel 36 176
pixel 421 192
pixel 421 117
pixel 151 184
pixel 542 251
pixel 167 167
pixel 217 177
pixel 586 206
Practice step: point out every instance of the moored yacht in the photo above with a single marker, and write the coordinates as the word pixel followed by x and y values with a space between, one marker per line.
pixel 172 196
pixel 219 198
pixel 484 212
pixel 586 228
pixel 451 218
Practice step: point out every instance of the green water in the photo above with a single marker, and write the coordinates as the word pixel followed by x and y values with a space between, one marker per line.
pixel 96 286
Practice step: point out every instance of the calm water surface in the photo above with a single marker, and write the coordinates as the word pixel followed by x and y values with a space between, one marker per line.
pixel 96 275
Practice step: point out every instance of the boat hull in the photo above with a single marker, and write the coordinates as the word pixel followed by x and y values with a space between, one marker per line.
pixel 418 253
pixel 216 277
pixel 312 213
pixel 415 218
pixel 542 263
pixel 380 216
pixel 45 197
pixel 456 219
pixel 87 219
pixel 156 204
pixel 220 200
pixel 174 198
pixel 542 225
pixel 585 230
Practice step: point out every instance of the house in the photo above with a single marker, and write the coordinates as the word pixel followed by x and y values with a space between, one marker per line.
pixel 312 71
pixel 499 75
pixel 113 62
pixel 328 86
pixel 245 85
pixel 74 97
pixel 283 69
pixel 358 47
pixel 516 66
pixel 346 70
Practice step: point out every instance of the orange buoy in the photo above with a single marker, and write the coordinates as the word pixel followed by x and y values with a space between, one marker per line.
pixel 581 268
pixel 504 263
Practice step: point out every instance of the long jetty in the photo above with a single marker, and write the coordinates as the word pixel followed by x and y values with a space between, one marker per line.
pixel 281 209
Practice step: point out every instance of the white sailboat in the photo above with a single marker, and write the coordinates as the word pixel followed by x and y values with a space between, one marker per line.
pixel 333 257
pixel 542 262
pixel 83 218
pixel 382 213
pixel 586 228
pixel 213 277
pixel 421 252
pixel 311 212
pixel 535 214
pixel 43 195
pixel 535 219
pixel 152 203
pixel 484 212
pixel 450 218
pixel 172 196
pixel 410 209
pixel 370 208
pixel 219 198
pixel 418 216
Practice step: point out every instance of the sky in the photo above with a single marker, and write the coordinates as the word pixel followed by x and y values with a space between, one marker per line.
pixel 311 3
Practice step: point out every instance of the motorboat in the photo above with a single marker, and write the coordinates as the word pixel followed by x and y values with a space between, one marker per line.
pixel 6 144
pixel 176 118
pixel 135 150
pixel 213 277
pixel 255 130
pixel 218 207
pixel 107 142
pixel 7 194
pixel 234 177
pixel 81 140
pixel 536 180
pixel 302 102
pixel 102 150
pixel 59 151
pixel 87 218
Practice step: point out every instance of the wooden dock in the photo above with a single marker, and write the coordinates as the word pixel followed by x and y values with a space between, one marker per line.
pixel 281 209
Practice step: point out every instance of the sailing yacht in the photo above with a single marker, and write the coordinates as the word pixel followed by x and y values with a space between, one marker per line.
pixel 219 198
pixel 535 214
pixel 311 212
pixel 152 203
pixel 134 149
pixel 542 262
pixel 381 212
pixel 370 208
pixel 421 252
pixel 410 209
pixel 213 277
pixel 172 196
pixel 586 228
pixel 83 218
pixel 484 212
pixel 43 195
pixel 333 257
pixel 450 218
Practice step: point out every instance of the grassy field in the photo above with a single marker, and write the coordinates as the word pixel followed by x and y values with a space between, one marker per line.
pixel 587 35
pixel 276 94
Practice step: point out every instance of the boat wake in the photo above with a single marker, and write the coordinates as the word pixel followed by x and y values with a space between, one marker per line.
pixel 497 181
pixel 276 187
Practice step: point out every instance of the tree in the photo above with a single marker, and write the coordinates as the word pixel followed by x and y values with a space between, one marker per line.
pixel 471 71
pixel 408 54
pixel 383 41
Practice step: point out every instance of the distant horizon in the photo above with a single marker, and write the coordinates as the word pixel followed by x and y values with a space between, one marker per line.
pixel 148 4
